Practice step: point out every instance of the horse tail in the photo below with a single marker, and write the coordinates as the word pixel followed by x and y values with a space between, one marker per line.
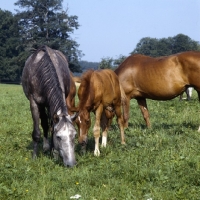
pixel 124 106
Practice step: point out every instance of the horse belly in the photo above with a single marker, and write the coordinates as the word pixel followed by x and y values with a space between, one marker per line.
pixel 162 93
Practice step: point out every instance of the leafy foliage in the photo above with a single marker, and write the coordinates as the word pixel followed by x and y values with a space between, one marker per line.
pixel 165 46
pixel 10 69
pixel 110 63
pixel 44 22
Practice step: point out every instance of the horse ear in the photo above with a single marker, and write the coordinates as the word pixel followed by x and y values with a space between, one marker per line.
pixel 74 116
pixel 55 119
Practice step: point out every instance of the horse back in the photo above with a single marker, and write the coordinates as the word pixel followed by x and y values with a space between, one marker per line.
pixel 101 86
pixel 45 70
pixel 158 78
pixel 106 86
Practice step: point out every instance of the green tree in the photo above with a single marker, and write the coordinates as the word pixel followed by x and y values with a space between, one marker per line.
pixel 10 68
pixel 182 43
pixel 165 46
pixel 106 63
pixel 44 22
pixel 147 46
pixel 118 61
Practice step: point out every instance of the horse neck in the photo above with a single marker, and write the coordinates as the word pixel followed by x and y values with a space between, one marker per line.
pixel 56 102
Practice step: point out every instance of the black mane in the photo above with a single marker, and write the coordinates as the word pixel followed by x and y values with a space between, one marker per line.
pixel 48 81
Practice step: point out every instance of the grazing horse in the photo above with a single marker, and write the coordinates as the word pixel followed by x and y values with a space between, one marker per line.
pixel 99 92
pixel 46 84
pixel 161 78
pixel 188 92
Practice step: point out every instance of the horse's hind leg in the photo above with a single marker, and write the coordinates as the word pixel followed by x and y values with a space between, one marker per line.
pixel 143 107
pixel 105 124
pixel 36 131
pixel 198 92
pixel 120 122
pixel 181 96
pixel 188 93
pixel 126 111
pixel 45 127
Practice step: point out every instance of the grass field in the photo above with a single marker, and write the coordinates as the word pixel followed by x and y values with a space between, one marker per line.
pixel 158 163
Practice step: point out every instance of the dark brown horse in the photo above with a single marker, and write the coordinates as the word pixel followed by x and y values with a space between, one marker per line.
pixel 46 83
pixel 99 92
pixel 161 78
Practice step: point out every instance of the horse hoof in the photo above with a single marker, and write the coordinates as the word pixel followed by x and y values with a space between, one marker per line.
pixel 96 152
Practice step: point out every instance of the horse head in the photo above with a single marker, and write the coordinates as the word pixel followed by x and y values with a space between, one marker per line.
pixel 83 122
pixel 63 137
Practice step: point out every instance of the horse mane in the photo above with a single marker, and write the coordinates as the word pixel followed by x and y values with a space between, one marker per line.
pixel 86 89
pixel 47 78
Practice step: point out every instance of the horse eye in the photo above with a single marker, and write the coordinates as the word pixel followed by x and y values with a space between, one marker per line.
pixel 58 138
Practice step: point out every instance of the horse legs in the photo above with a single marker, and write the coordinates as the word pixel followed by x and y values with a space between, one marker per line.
pixel 36 131
pixel 198 92
pixel 143 107
pixel 96 129
pixel 45 127
pixel 105 124
pixel 126 110
pixel 181 96
pixel 120 122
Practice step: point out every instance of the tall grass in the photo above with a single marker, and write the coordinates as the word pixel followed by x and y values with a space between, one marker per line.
pixel 158 163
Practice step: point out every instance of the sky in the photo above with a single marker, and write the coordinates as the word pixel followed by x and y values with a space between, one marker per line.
pixel 110 28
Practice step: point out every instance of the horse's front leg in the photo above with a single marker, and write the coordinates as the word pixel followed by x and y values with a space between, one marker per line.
pixel 45 127
pixel 105 124
pixel 36 131
pixel 96 129
pixel 143 107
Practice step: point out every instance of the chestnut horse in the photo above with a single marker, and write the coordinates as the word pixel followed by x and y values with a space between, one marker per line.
pixel 99 92
pixel 161 78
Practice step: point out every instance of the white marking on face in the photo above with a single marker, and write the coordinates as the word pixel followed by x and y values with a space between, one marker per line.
pixel 145 108
pixel 59 112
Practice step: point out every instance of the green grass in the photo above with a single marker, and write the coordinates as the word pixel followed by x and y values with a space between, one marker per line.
pixel 158 163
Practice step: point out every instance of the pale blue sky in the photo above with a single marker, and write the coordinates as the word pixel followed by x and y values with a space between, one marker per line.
pixel 109 28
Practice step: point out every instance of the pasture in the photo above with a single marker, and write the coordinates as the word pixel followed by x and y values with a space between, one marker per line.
pixel 158 163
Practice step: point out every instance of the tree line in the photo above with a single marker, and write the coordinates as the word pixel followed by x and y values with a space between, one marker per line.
pixel 155 47
pixel 42 22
